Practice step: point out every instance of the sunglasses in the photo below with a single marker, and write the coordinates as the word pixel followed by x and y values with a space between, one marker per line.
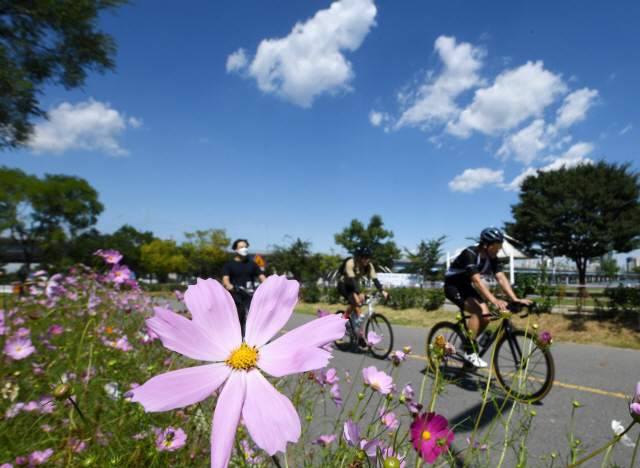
pixel 496 246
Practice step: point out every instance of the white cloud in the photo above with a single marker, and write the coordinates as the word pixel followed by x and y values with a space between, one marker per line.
pixel 574 156
pixel 236 61
pixel 525 144
pixel 625 129
pixel 89 125
pixel 515 96
pixel 376 118
pixel 575 107
pixel 473 179
pixel 309 61
pixel 434 101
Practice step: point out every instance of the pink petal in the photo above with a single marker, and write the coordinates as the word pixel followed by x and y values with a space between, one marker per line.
pixel 226 417
pixel 316 333
pixel 270 309
pixel 281 360
pixel 270 417
pixel 635 407
pixel 212 308
pixel 180 388
pixel 638 392
pixel 184 336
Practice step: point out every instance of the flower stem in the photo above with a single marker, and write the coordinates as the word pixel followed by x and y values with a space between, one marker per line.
pixel 634 452
pixel 90 429
pixel 615 439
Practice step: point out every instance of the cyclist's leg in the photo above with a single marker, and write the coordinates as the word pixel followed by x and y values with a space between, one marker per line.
pixel 238 299
pixel 344 292
pixel 354 305
pixel 477 308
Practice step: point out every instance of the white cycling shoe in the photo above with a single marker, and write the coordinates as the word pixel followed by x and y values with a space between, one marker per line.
pixel 475 360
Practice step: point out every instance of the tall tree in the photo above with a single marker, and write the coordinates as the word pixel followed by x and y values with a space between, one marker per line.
pixel 426 256
pixel 297 259
pixel 581 212
pixel 384 252
pixel 206 252
pixel 46 42
pixel 162 257
pixel 40 215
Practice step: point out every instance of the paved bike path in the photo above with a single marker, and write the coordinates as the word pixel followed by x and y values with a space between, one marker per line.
pixel 599 378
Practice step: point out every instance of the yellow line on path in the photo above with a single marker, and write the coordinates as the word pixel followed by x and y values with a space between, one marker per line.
pixel 555 382
pixel 560 384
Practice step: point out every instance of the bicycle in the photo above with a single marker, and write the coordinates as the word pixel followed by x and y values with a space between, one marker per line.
pixel 372 321
pixel 523 370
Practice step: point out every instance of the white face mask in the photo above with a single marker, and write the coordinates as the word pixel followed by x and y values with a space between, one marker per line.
pixel 242 251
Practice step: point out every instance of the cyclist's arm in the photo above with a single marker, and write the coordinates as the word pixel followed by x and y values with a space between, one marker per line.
pixel 484 290
pixel 506 287
pixel 262 278
pixel 226 283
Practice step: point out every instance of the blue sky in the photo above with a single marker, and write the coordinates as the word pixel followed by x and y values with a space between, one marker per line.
pixel 289 118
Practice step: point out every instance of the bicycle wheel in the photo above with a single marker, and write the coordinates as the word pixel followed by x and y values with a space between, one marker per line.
pixel 381 327
pixel 455 367
pixel 344 343
pixel 523 370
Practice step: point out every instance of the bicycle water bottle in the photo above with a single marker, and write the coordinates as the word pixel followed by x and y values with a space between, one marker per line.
pixel 484 339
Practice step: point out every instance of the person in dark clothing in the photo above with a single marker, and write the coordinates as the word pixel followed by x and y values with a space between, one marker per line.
pixel 354 269
pixel 464 287
pixel 241 272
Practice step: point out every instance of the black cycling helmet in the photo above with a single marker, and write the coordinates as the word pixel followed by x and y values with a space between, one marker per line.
pixel 492 235
pixel 363 251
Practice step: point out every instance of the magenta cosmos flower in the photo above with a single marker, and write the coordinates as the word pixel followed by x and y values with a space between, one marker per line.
pixel 635 406
pixel 111 256
pixel 430 436
pixel 214 335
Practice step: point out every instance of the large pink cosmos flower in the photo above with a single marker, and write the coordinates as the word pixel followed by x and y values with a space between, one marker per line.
pixel 430 436
pixel 214 335
pixel 18 347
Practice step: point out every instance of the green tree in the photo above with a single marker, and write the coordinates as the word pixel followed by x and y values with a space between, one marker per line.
pixel 297 259
pixel 45 42
pixel 162 257
pixel 426 257
pixel 82 248
pixel 581 212
pixel 41 215
pixel 206 252
pixel 384 253
pixel 609 267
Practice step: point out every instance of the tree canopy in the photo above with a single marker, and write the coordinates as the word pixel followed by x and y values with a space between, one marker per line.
pixel 581 212
pixel 426 256
pixel 163 257
pixel 297 259
pixel 40 215
pixel 206 252
pixel 384 253
pixel 46 42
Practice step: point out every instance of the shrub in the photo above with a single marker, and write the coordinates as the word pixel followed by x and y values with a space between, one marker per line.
pixel 310 293
pixel 332 296
pixel 435 299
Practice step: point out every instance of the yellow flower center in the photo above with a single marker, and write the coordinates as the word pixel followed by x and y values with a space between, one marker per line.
pixel 117 273
pixel 18 349
pixel 243 357
pixel 426 435
pixel 110 258
pixel 376 384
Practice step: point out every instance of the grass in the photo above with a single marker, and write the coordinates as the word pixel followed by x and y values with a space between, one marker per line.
pixel 579 329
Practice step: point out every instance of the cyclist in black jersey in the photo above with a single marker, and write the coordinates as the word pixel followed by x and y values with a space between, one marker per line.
pixel 464 287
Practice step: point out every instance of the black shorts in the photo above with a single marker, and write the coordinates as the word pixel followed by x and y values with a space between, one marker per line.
pixel 345 290
pixel 459 292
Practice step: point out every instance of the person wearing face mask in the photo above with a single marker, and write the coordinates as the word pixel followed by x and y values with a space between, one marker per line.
pixel 240 272
pixel 464 287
